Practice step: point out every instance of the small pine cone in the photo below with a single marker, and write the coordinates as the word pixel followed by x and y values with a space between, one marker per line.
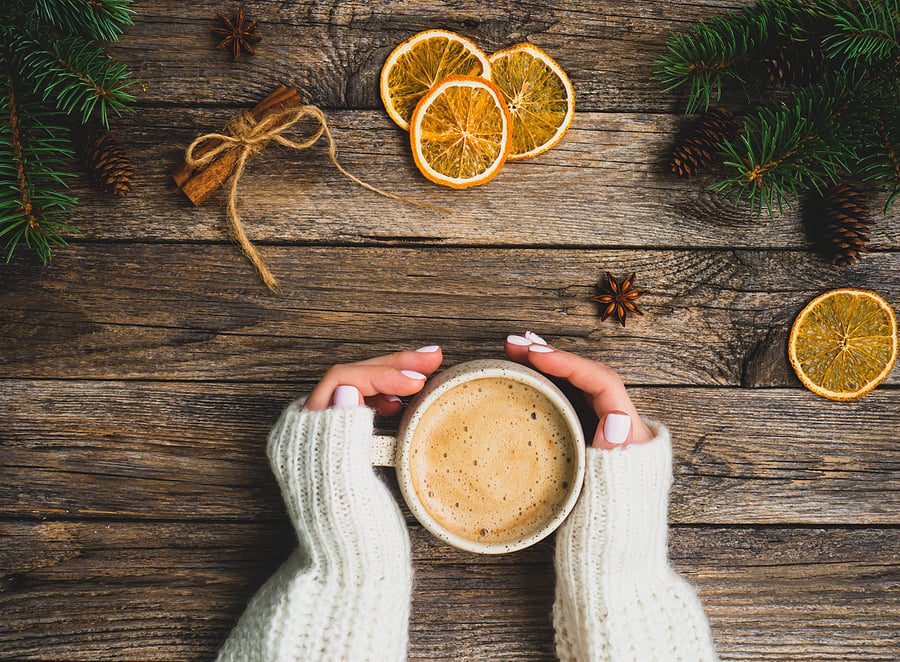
pixel 108 163
pixel 798 63
pixel 695 150
pixel 845 217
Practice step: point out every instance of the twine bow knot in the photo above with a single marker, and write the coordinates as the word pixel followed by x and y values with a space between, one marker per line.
pixel 249 137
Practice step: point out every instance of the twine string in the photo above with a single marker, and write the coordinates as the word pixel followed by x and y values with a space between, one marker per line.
pixel 250 137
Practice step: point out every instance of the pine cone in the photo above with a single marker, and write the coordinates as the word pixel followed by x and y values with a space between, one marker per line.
pixel 694 151
pixel 108 163
pixel 845 214
pixel 798 63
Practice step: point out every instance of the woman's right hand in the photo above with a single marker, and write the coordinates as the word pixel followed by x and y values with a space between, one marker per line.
pixel 620 423
pixel 376 382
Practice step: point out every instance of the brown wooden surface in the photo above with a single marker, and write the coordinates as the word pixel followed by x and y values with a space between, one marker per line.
pixel 171 590
pixel 140 372
pixel 190 451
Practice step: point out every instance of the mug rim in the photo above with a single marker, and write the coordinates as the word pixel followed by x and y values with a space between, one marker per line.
pixel 450 378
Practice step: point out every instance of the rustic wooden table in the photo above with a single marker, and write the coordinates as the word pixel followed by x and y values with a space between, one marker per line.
pixel 141 371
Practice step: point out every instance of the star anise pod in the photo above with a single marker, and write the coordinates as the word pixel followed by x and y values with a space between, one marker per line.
pixel 238 34
pixel 620 299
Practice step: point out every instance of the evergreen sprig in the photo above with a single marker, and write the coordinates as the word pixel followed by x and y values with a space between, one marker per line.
pixel 74 73
pixel 788 148
pixel 33 159
pixel 52 65
pixel 713 54
pixel 729 49
pixel 844 125
pixel 880 154
pixel 93 19
pixel 863 30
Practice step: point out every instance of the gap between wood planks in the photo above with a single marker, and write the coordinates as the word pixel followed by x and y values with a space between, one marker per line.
pixel 438 242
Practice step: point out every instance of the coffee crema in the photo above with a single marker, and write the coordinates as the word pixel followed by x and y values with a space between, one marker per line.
pixel 492 460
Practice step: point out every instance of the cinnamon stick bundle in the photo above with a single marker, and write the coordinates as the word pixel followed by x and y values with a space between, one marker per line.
pixel 199 184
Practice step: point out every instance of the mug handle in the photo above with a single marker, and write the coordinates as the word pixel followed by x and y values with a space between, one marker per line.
pixel 383 450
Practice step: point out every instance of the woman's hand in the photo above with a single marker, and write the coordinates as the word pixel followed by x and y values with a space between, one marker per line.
pixel 376 382
pixel 620 423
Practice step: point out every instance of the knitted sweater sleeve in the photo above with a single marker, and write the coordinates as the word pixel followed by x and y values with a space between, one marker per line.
pixel 617 597
pixel 344 594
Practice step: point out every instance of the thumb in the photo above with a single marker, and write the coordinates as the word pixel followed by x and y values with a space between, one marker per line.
pixel 614 431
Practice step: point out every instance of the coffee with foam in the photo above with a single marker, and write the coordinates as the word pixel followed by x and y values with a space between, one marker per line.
pixel 492 460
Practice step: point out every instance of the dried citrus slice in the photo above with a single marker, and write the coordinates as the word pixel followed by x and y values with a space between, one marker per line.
pixel 459 132
pixel 539 95
pixel 844 343
pixel 421 61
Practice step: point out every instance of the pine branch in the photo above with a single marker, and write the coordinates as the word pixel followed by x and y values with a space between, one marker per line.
pixel 865 30
pixel 808 143
pixel 704 58
pixel 33 160
pixel 94 19
pixel 725 50
pixel 880 162
pixel 72 72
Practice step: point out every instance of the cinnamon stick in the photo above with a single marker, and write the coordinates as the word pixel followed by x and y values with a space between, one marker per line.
pixel 198 185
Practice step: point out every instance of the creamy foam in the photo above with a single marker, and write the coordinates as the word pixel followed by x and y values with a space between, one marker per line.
pixel 492 460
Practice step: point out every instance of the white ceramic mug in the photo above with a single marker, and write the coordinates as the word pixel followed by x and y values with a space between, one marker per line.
pixel 395 451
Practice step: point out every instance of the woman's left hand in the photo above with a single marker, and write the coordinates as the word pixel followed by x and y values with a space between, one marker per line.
pixel 376 382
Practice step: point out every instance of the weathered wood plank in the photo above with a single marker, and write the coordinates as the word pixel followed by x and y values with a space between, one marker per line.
pixel 604 185
pixel 199 312
pixel 196 451
pixel 172 591
pixel 333 51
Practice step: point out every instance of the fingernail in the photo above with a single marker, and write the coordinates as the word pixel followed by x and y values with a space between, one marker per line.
pixel 535 338
pixel 345 397
pixel 616 428
pixel 392 398
pixel 518 340
pixel 428 349
pixel 412 374
pixel 540 349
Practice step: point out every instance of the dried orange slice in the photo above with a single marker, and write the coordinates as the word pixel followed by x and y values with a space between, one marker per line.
pixel 459 132
pixel 421 61
pixel 540 97
pixel 844 343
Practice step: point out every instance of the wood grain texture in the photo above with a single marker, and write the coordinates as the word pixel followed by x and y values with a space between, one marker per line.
pixel 139 374
pixel 196 451
pixel 333 50
pixel 198 312
pixel 604 185
pixel 127 591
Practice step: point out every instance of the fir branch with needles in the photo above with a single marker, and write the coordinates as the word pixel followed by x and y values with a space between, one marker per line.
pixel 844 125
pixel 33 168
pixel 53 65
pixel 74 74
pixel 789 148
pixel 880 158
pixel 729 49
pixel 92 19
pixel 863 30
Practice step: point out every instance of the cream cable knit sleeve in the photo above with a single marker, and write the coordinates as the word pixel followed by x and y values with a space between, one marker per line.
pixel 344 594
pixel 617 598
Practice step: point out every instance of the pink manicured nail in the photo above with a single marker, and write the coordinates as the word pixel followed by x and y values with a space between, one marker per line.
pixel 412 374
pixel 392 398
pixel 519 341
pixel 535 338
pixel 616 428
pixel 428 349
pixel 345 397
pixel 540 349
